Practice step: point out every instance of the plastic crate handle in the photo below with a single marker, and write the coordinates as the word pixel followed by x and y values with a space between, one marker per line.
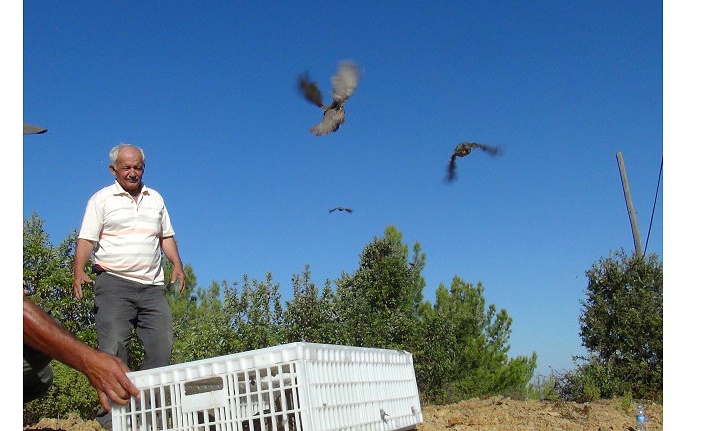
pixel 204 394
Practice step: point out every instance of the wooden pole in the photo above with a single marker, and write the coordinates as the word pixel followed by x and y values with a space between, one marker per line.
pixel 628 202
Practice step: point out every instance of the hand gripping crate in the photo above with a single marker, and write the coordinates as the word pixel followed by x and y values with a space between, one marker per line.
pixel 291 387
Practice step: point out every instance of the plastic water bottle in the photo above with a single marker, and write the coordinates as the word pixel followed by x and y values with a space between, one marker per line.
pixel 640 419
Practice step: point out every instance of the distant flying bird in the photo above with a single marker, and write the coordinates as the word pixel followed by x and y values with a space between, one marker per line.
pixel 348 210
pixel 344 83
pixel 463 149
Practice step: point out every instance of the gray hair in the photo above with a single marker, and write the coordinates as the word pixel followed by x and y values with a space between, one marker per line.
pixel 113 155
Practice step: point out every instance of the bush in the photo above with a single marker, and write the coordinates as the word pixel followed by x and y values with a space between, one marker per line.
pixel 544 388
pixel 622 326
pixel 70 393
pixel 590 381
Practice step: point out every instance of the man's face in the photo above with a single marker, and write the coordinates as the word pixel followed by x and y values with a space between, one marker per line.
pixel 129 170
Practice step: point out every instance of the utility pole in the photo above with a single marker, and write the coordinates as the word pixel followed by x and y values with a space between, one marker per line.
pixel 628 202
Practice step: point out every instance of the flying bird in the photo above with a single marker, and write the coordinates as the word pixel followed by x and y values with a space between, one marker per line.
pixel 463 149
pixel 348 210
pixel 344 83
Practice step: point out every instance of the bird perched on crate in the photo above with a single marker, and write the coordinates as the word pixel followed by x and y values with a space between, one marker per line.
pixel 348 210
pixel 463 149
pixel 383 415
pixel 344 83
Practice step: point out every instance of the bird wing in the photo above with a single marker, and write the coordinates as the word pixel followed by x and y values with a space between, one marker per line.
pixel 348 210
pixel 29 129
pixel 452 168
pixel 493 151
pixel 310 90
pixel 345 81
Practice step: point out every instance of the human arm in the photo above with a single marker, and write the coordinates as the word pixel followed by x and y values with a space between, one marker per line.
pixel 169 247
pixel 105 372
pixel 83 253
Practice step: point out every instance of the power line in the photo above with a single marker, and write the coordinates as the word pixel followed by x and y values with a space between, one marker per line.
pixel 654 204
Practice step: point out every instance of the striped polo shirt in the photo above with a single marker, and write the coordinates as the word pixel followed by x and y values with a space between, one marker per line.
pixel 126 233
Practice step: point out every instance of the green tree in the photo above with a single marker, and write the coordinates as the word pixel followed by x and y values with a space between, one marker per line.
pixel 434 355
pixel 378 304
pixel 256 313
pixel 621 323
pixel 478 364
pixel 202 324
pixel 48 275
pixel 460 345
pixel 47 279
pixel 310 317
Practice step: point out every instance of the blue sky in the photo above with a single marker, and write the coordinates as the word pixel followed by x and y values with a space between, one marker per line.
pixel 208 91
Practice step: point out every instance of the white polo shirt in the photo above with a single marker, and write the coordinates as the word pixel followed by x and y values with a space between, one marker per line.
pixel 127 233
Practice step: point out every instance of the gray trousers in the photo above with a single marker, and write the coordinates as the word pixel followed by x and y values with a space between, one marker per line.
pixel 38 375
pixel 120 306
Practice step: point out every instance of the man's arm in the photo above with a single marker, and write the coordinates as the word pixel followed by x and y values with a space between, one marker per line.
pixel 84 248
pixel 105 372
pixel 169 247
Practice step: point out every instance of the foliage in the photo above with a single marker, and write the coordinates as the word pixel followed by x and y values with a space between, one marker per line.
pixel 47 277
pixel 378 303
pixel 47 280
pixel 589 381
pixel 479 365
pixel 202 327
pixel 310 317
pixel 434 356
pixel 460 346
pixel 256 313
pixel 543 388
pixel 70 393
pixel 626 402
pixel 621 324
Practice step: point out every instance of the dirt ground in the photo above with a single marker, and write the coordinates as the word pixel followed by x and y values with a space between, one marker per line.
pixel 491 414
pixel 504 414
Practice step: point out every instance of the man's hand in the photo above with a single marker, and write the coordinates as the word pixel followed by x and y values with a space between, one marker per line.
pixel 107 375
pixel 178 280
pixel 80 277
pixel 83 253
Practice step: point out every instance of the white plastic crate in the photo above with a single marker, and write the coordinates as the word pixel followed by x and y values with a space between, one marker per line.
pixel 292 387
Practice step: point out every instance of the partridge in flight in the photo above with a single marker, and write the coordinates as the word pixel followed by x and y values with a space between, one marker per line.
pixel 462 150
pixel 344 83
pixel 348 210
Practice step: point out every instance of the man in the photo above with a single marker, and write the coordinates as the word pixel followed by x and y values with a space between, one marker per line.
pixel 45 339
pixel 126 227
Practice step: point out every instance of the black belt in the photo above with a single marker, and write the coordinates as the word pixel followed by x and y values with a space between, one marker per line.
pixel 97 269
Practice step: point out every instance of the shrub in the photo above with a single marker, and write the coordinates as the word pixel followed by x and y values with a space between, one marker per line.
pixel 70 393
